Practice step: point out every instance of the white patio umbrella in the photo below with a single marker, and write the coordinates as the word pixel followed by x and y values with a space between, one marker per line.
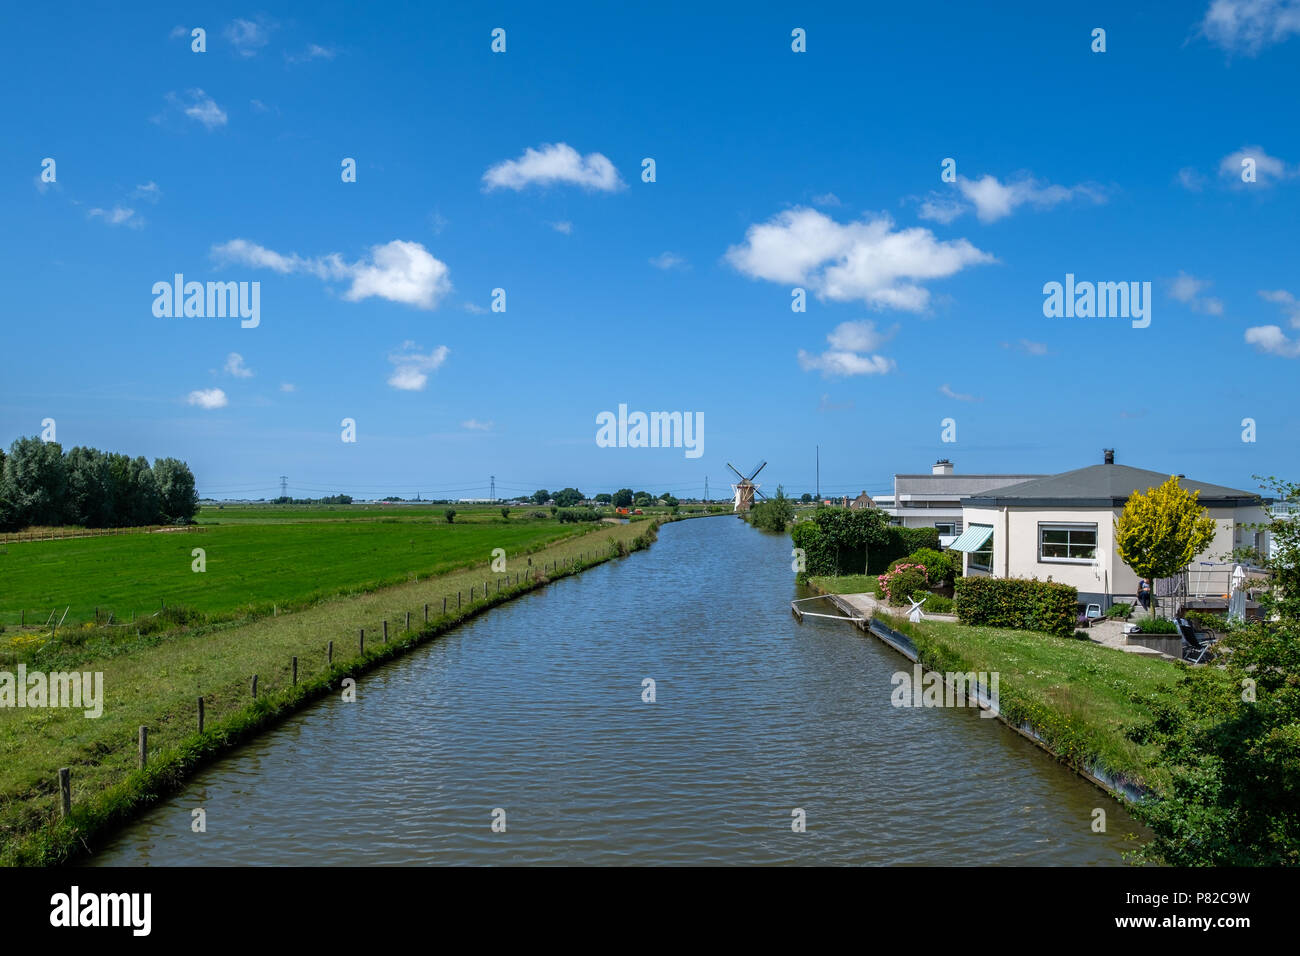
pixel 1237 598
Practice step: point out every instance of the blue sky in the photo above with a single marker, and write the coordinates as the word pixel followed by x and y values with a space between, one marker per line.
pixel 522 170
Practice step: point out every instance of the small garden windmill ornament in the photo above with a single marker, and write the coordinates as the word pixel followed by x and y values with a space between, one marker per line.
pixel 914 613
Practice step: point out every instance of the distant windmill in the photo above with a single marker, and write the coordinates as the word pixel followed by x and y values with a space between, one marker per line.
pixel 745 489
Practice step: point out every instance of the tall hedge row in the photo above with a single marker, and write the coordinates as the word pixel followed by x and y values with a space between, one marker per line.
pixel 900 543
pixel 1017 603
pixel 843 540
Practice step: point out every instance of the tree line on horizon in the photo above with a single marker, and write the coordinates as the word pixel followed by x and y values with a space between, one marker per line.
pixel 41 485
pixel 623 498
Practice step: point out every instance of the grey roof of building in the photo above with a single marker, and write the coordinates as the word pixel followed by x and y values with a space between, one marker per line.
pixel 1101 486
pixel 953 486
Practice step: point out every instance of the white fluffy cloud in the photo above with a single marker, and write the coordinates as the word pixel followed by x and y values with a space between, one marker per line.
pixel 207 398
pixel 1187 289
pixel 868 261
pixel 551 164
pixel 1286 301
pixel 399 271
pixel 940 209
pixel 847 341
pixel 946 389
pixel 992 199
pixel 247 36
pixel 314 51
pixel 411 367
pixel 1270 338
pixel 474 425
pixel 1247 26
pixel 1028 346
pixel 235 366
pixel 668 260
pixel 117 216
pixel 1268 169
pixel 199 107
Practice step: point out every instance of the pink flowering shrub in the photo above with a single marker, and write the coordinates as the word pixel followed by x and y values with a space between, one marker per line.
pixel 904 581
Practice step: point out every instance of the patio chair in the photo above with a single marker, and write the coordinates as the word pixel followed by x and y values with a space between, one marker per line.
pixel 1195 651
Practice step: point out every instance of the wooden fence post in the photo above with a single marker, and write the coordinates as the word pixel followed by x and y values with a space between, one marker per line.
pixel 426 614
pixel 444 605
pixel 200 715
pixel 295 672
pixel 144 746
pixel 65 790
pixel 385 632
pixel 254 687
pixel 458 600
pixel 408 620
pixel 363 641
pixel 329 654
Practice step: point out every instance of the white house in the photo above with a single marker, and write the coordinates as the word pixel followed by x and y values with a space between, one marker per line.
pixel 934 500
pixel 1062 528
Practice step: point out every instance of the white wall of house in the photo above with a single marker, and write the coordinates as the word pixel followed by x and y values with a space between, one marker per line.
pixel 930 518
pixel 1016 545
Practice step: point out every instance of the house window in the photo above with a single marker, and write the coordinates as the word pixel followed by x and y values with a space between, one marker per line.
pixel 948 528
pixel 1067 542
pixel 982 560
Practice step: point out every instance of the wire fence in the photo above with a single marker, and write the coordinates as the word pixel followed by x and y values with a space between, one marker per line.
pixel 322 665
pixel 58 534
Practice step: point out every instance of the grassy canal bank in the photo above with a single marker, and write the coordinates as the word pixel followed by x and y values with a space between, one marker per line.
pixel 156 679
pixel 1080 698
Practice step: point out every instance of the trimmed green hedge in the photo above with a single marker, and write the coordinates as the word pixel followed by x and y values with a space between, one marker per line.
pixel 1017 603
pixel 841 541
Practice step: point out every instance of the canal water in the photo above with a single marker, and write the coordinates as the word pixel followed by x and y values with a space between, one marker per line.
pixel 536 709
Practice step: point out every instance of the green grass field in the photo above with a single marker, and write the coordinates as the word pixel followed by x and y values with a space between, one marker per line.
pixel 256 557
pixel 1079 695
pixel 847 584
pixel 155 679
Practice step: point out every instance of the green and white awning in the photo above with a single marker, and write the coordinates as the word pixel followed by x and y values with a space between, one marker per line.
pixel 973 538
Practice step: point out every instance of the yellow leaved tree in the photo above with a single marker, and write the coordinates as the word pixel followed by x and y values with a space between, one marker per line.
pixel 1158 533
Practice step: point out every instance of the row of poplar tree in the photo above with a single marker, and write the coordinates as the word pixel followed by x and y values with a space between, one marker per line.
pixel 41 485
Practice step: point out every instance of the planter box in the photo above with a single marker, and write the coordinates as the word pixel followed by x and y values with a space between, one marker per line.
pixel 1170 645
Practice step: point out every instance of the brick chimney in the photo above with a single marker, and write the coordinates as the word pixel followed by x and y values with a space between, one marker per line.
pixel 941 467
pixel 1108 456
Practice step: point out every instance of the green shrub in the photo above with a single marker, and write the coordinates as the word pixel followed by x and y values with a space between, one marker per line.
pixel 1017 603
pixel 570 515
pixel 903 580
pixel 1205 621
pixel 1156 625
pixel 902 543
pixel 937 603
pixel 939 565
pixel 774 514
pixel 1120 610
pixel 840 541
